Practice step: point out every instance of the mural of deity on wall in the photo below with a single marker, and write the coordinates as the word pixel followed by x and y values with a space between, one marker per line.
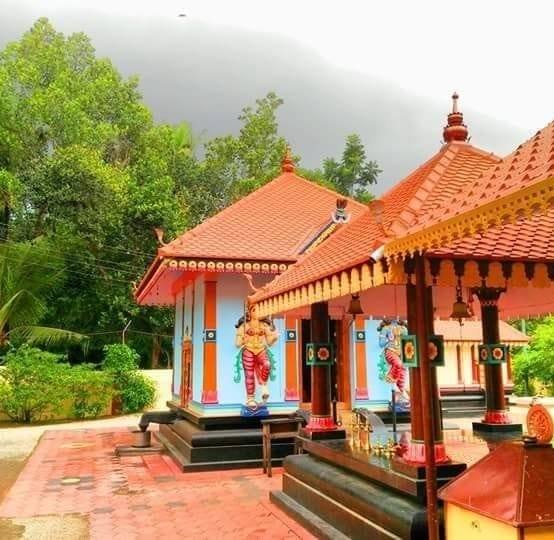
pixel 254 337
pixel 391 368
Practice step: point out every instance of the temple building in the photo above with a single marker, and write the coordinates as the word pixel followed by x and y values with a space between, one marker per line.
pixel 208 273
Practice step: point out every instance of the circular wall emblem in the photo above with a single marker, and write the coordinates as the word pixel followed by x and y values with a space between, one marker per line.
pixel 432 351
pixel 409 350
pixel 540 424
pixel 484 354
pixel 498 353
pixel 323 353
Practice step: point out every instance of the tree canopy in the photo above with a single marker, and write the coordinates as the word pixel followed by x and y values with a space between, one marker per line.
pixel 86 170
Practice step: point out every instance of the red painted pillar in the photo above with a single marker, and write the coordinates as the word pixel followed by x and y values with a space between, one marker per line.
pixel 496 403
pixel 424 393
pixel 321 418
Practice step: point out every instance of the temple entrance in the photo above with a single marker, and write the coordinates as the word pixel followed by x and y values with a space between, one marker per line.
pixel 335 330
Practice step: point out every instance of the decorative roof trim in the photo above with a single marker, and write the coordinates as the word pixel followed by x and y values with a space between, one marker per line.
pixel 222 265
pixel 441 272
pixel 524 202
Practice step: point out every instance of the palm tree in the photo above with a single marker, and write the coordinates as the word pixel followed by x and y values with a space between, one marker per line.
pixel 28 275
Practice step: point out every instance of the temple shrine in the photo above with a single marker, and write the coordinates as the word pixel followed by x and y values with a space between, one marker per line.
pixel 326 300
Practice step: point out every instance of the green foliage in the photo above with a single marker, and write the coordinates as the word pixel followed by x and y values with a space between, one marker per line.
pixel 534 365
pixel 91 391
pixel 32 384
pixel 353 174
pixel 135 391
pixel 84 168
pixel 138 393
pixel 120 360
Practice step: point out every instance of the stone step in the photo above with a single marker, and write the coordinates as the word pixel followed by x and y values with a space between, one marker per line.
pixel 356 507
pixel 219 457
pixel 187 466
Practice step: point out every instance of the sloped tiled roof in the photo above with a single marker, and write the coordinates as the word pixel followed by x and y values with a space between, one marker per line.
pixel 455 165
pixel 275 222
pixel 528 239
pixel 531 161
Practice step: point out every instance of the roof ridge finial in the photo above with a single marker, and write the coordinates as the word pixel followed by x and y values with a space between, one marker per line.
pixel 455 130
pixel 287 165
pixel 455 97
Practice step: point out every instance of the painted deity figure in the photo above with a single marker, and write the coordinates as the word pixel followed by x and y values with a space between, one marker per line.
pixel 390 332
pixel 254 337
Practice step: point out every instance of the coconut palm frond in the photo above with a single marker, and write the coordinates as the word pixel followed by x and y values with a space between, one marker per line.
pixel 47 336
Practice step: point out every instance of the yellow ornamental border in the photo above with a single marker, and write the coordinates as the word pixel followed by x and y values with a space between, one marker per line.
pixel 308 294
pixel 537 198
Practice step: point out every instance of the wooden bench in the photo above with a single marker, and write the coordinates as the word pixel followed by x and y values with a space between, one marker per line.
pixel 275 429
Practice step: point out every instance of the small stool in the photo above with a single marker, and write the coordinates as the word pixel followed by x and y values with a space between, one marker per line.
pixel 275 429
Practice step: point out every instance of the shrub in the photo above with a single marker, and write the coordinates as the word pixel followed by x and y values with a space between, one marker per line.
pixel 138 393
pixel 120 360
pixel 32 384
pixel 91 391
pixel 134 391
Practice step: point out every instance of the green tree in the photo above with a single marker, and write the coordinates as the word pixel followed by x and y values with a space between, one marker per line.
pixel 236 165
pixel 535 363
pixel 354 173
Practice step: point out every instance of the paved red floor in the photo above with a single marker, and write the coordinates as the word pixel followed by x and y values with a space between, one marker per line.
pixel 76 472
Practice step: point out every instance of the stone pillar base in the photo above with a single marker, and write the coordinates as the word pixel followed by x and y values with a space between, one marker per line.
pixel 415 453
pixel 497 428
pixel 496 417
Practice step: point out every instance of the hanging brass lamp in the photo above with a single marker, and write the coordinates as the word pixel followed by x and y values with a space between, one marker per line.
pixel 460 309
pixel 355 306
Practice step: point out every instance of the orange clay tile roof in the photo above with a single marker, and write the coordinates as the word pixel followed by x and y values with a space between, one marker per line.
pixel 455 165
pixel 473 331
pixel 531 162
pixel 274 223
pixel 528 239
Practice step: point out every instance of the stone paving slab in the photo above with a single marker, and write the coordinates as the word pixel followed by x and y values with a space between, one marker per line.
pixel 74 476
pixel 76 473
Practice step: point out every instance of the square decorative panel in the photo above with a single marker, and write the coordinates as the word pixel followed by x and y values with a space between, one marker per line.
pixel 493 353
pixel 360 335
pixel 408 344
pixel 210 335
pixel 436 351
pixel 319 354
pixel 291 335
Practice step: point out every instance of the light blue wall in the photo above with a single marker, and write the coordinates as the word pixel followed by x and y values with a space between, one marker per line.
pixel 232 290
pixel 177 341
pixel 378 390
pixel 198 340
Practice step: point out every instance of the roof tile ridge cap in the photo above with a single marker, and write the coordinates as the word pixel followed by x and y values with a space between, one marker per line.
pixel 233 205
pixel 328 190
pixel 411 174
pixel 482 152
pixel 442 160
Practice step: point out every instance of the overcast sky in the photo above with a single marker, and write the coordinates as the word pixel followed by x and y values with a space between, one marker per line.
pixel 383 69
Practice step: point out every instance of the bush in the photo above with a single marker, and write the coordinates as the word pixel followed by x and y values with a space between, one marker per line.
pixel 132 389
pixel 32 384
pixel 138 393
pixel 91 391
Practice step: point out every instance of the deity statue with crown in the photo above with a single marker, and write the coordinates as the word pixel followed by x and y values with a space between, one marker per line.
pixel 391 367
pixel 254 338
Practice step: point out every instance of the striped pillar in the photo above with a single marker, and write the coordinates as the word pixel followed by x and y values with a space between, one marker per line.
pixel 209 384
pixel 291 359
pixel 361 364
